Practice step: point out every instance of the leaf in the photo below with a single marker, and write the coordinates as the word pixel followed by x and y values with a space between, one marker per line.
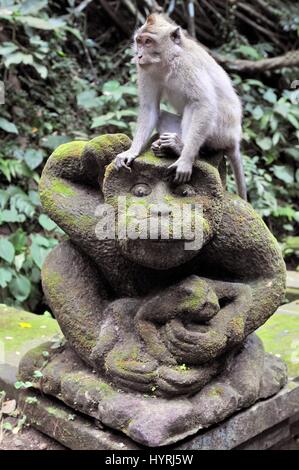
pixel 249 52
pixel 30 7
pixel 20 288
pixel 53 141
pixel 284 172
pixel 265 143
pixel 8 126
pixel 19 261
pixel 7 426
pixel 33 158
pixel 294 121
pixel 110 87
pixel 38 254
pixel 88 99
pixel 41 70
pixel 257 112
pixel 11 215
pixel 38 23
pixel 5 277
pixel 7 250
pixel 292 152
pixel 18 58
pixel 37 374
pixel 46 222
pixel 7 48
pixel 102 120
pixel 270 96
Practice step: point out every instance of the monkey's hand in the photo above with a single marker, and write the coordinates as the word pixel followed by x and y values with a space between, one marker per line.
pixel 124 159
pixel 183 169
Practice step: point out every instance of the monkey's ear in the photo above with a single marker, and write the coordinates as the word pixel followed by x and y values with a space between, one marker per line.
pixel 151 20
pixel 176 35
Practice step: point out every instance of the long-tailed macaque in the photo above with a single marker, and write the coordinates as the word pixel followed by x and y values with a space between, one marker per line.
pixel 170 64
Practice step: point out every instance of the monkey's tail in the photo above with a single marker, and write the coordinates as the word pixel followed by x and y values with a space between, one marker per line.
pixel 235 159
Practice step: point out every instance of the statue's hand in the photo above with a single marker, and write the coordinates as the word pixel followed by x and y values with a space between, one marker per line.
pixel 124 159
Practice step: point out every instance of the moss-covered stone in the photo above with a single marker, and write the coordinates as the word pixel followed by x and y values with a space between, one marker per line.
pixel 58 186
pixel 69 150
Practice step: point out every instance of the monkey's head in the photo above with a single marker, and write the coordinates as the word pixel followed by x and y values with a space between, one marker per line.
pixel 165 224
pixel 155 39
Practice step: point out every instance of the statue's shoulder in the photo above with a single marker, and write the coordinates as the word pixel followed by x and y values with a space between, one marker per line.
pixel 242 228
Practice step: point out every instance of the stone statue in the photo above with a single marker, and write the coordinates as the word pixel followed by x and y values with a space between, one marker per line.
pixel 160 338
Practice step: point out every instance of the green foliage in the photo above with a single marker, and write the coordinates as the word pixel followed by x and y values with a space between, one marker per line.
pixel 271 152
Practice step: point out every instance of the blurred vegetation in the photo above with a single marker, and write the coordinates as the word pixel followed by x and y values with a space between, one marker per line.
pixel 68 75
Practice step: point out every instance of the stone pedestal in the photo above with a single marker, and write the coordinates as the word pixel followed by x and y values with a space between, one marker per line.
pixel 270 423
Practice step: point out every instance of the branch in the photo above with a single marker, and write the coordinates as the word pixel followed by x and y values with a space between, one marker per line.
pixel 105 5
pixel 290 59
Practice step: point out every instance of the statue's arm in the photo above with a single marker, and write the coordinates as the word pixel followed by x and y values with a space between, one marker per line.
pixel 70 185
pixel 245 251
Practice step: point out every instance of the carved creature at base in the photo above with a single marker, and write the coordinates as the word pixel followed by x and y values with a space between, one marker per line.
pixel 163 333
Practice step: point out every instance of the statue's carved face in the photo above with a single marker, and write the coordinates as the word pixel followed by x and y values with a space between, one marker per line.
pixel 166 223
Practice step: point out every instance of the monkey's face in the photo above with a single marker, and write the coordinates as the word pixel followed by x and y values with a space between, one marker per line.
pixel 154 41
pixel 161 224
pixel 147 49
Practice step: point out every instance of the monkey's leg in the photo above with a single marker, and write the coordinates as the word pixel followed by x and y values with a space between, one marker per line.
pixel 169 128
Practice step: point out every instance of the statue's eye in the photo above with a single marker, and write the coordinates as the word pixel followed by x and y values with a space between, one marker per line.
pixel 141 190
pixel 184 190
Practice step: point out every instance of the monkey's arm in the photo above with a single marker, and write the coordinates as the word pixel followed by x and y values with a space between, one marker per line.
pixel 149 100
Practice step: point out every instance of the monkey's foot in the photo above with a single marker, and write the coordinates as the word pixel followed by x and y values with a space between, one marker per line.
pixel 167 144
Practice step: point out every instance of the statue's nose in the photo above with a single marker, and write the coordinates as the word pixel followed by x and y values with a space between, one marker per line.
pixel 161 209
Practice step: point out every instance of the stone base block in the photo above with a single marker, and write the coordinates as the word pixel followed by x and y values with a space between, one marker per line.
pixel 152 420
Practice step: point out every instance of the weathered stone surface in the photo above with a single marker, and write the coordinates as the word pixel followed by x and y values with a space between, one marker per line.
pixel 280 336
pixel 248 424
pixel 148 419
pixel 69 428
pixel 150 316
pixel 82 432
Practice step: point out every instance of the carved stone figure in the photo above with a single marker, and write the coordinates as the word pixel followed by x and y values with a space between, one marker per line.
pixel 159 337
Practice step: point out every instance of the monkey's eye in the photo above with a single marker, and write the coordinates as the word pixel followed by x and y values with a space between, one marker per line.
pixel 141 190
pixel 184 190
pixel 148 42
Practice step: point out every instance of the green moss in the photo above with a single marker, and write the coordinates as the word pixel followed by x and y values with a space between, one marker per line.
pixel 52 279
pixel 56 412
pixel 182 368
pixel 194 301
pixel 59 186
pixel 57 209
pixel 70 150
pixel 108 142
pixel 237 324
pixel 215 392
pixel 149 157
